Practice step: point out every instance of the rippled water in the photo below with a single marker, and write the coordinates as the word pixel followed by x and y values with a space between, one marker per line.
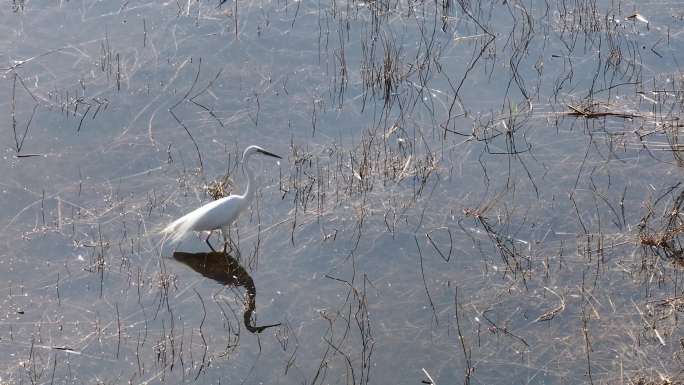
pixel 478 192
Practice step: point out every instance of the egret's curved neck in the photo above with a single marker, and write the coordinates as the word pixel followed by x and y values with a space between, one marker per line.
pixel 251 184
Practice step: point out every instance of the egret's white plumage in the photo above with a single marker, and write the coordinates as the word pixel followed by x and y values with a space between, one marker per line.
pixel 220 213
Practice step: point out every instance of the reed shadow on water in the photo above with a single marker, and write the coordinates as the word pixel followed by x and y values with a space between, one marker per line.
pixel 225 269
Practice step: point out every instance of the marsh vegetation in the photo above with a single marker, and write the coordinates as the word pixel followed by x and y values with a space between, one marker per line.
pixel 478 192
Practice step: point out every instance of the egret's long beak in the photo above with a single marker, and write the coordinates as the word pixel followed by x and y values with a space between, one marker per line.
pixel 269 153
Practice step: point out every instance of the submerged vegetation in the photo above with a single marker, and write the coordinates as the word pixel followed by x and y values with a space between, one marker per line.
pixel 477 192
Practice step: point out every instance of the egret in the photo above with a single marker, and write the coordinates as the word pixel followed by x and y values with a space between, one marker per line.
pixel 221 213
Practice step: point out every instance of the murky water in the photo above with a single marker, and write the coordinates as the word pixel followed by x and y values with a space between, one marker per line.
pixel 478 192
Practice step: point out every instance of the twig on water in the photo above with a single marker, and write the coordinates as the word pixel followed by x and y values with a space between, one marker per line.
pixel 184 98
pixel 466 353
pixel 427 291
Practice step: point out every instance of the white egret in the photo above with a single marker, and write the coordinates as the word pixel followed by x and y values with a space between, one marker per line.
pixel 220 213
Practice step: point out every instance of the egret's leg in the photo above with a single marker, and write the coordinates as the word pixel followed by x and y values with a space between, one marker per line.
pixel 224 233
pixel 234 249
pixel 228 245
pixel 209 243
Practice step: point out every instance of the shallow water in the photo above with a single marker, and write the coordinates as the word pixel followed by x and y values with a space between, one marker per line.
pixel 466 191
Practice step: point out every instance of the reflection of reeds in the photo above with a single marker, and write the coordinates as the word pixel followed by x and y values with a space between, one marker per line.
pixel 516 262
pixel 353 318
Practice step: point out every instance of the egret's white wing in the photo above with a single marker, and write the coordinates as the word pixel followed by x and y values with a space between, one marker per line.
pixel 211 216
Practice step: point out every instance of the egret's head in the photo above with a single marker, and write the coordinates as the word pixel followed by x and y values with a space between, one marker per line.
pixel 249 151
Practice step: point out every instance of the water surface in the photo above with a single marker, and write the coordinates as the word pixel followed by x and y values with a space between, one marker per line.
pixel 483 192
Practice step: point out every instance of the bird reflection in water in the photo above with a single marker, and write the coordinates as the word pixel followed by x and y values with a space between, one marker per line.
pixel 225 269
